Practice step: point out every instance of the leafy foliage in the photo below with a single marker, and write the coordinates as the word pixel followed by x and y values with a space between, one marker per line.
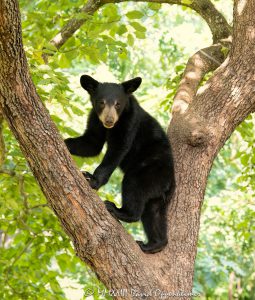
pixel 37 260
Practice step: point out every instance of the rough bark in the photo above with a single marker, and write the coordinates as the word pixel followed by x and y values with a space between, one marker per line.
pixel 83 215
pixel 196 135
pixel 199 132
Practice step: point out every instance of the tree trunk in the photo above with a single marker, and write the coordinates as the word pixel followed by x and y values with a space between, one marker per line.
pixel 196 132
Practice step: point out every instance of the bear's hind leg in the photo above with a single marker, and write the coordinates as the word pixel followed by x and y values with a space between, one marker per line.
pixel 131 210
pixel 133 201
pixel 155 225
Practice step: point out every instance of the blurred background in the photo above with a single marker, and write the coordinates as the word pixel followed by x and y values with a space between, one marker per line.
pixel 119 42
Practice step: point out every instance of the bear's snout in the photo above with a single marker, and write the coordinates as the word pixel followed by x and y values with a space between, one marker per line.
pixel 109 116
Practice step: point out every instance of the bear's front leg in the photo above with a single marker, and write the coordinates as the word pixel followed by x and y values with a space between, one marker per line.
pixel 92 180
pixel 111 207
pixel 96 180
pixel 71 144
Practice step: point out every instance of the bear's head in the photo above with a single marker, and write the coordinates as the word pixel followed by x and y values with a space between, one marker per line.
pixel 109 100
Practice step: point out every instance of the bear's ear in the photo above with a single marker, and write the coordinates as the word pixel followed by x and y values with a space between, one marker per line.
pixel 132 85
pixel 88 83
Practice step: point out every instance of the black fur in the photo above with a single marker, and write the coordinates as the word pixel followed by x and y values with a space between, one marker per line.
pixel 138 145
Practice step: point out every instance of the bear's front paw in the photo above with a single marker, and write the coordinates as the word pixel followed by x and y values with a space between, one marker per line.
pixel 70 144
pixel 88 175
pixel 111 207
pixel 140 243
pixel 92 180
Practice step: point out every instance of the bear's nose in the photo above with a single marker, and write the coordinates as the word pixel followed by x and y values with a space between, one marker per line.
pixel 109 121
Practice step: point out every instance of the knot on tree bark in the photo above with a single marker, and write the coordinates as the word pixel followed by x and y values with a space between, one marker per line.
pixel 197 137
pixel 191 129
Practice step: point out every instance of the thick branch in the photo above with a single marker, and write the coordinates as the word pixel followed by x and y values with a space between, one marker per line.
pixel 216 21
pixel 232 86
pixel 243 31
pixel 219 27
pixel 99 240
pixel 218 107
pixel 202 62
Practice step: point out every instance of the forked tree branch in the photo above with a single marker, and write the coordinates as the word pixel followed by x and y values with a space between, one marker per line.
pixel 219 27
pixel 202 62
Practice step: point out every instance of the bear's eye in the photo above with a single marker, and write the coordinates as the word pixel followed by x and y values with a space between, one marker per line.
pixel 117 105
pixel 101 104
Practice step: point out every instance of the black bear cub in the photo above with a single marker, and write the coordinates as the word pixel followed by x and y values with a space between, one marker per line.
pixel 138 145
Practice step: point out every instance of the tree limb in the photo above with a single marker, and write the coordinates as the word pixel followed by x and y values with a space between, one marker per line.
pixel 219 27
pixel 82 214
pixel 74 24
pixel 216 21
pixel 202 62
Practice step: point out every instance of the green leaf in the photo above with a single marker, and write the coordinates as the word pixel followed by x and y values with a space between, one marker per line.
pixel 47 51
pixel 244 159
pixel 140 35
pixel 83 16
pixel 130 39
pixel 70 131
pixel 49 46
pixel 137 26
pixel 64 62
pixel 187 2
pixel 110 10
pixel 55 286
pixel 123 55
pixel 77 111
pixel 122 29
pixel 135 14
pixel 154 6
